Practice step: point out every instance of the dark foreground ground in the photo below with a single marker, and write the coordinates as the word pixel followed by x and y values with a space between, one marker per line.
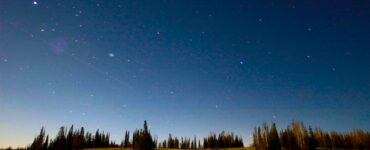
pixel 247 148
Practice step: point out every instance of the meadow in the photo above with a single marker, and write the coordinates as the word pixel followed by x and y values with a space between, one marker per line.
pixel 245 148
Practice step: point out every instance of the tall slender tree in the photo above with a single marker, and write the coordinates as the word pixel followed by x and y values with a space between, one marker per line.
pixel 273 139
pixel 126 141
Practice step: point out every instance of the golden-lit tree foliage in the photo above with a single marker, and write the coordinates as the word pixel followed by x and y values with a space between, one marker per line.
pixel 297 136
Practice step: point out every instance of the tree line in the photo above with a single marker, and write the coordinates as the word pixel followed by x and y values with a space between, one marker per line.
pixel 298 136
pixel 213 141
pixel 141 140
pixel 71 139
pixel 295 136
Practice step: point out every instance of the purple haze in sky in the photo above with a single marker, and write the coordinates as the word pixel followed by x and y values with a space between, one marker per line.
pixel 58 45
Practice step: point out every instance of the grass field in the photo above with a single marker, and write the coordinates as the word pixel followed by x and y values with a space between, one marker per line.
pixel 246 148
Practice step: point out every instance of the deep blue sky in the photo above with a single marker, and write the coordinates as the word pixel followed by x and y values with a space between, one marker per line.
pixel 188 67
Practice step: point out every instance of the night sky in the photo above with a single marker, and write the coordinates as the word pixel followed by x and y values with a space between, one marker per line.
pixel 187 67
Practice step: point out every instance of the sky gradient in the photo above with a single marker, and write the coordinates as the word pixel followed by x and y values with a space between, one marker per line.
pixel 187 67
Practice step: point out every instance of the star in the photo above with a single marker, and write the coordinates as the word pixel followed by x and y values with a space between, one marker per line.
pixel 309 29
pixel 111 55
pixel 34 2
pixel 241 62
pixel 308 56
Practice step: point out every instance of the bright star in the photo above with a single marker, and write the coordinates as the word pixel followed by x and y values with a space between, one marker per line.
pixel 34 2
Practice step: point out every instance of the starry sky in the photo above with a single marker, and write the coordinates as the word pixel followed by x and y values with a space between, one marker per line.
pixel 188 67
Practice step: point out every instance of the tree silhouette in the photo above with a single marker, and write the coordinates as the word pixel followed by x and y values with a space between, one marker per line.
pixel 39 142
pixel 273 139
pixel 312 142
pixel 172 142
pixel 142 140
pixel 223 140
pixel 126 141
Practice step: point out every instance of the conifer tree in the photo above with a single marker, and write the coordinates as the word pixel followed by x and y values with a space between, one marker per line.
pixel 312 143
pixel 142 140
pixel 126 142
pixel 39 141
pixel 273 139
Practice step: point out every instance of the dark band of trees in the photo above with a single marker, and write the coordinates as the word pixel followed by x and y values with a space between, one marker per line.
pixel 295 137
pixel 141 140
